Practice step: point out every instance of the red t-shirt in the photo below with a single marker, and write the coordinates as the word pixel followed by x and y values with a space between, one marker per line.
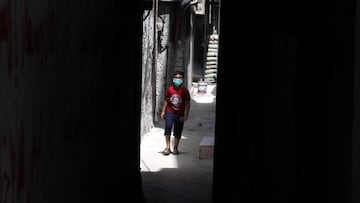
pixel 176 99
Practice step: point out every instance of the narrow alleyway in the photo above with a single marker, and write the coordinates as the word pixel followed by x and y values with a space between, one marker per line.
pixel 184 177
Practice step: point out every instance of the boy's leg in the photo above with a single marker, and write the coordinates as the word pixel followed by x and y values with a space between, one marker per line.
pixel 176 144
pixel 178 127
pixel 167 148
pixel 167 133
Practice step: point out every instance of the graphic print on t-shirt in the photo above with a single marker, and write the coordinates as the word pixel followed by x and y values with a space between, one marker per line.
pixel 175 100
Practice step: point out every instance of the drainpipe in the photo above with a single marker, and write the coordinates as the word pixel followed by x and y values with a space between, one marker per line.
pixel 185 4
pixel 191 59
pixel 155 55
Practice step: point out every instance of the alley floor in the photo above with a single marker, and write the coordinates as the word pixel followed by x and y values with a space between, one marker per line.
pixel 186 177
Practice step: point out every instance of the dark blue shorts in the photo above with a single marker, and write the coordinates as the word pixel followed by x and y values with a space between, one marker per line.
pixel 173 121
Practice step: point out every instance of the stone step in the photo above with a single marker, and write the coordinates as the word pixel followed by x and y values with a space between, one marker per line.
pixel 206 147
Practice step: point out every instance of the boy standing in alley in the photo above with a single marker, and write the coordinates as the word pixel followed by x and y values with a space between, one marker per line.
pixel 175 111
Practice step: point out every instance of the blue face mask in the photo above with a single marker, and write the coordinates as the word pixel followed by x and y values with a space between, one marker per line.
pixel 177 81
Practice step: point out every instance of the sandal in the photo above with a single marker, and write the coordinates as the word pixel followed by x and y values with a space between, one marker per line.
pixel 175 152
pixel 166 152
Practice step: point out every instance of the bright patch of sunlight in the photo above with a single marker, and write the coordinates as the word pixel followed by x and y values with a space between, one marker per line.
pixel 203 98
pixel 151 158
pixel 208 97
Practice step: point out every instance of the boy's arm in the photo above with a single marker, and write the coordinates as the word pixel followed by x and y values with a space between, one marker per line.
pixel 187 108
pixel 162 115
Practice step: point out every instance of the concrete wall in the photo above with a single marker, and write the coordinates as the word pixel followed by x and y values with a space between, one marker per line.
pixel 69 86
pixel 148 72
pixel 165 49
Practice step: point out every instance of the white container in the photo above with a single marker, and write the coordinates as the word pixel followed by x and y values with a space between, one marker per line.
pixel 202 86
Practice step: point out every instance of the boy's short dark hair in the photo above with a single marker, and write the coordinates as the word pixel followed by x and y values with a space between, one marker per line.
pixel 179 73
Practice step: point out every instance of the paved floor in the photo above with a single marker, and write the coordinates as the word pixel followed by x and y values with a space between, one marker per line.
pixel 183 178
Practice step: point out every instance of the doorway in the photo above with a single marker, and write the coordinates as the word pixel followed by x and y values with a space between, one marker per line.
pixel 176 38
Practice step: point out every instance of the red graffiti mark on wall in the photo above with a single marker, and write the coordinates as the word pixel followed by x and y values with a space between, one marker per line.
pixel 5 32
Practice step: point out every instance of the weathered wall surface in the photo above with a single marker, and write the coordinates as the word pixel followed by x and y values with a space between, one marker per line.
pixel 156 47
pixel 165 49
pixel 63 78
pixel 148 87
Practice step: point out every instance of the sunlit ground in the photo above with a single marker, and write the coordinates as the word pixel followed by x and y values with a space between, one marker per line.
pixel 152 159
pixel 204 99
pixel 208 97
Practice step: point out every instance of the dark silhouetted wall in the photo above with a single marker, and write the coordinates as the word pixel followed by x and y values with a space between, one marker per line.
pixel 70 101
pixel 284 102
pixel 70 92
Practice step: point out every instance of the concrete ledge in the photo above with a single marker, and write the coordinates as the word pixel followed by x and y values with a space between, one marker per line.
pixel 206 147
